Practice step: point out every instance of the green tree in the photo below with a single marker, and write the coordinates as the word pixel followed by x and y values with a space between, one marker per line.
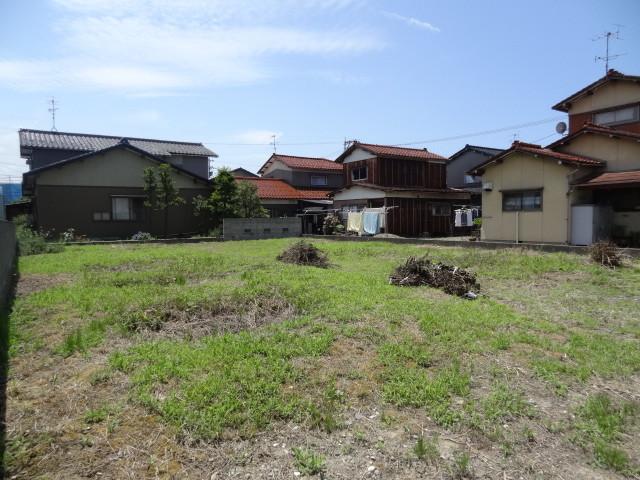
pixel 220 203
pixel 247 201
pixel 161 191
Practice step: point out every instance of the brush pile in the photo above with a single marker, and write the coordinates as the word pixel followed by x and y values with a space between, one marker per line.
pixel 304 253
pixel 422 271
pixel 606 254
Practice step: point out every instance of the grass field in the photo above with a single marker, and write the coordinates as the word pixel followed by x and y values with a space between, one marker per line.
pixel 217 361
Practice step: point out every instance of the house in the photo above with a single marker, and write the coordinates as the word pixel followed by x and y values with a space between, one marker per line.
pixel 94 183
pixel 464 160
pixel 305 173
pixel 284 200
pixel 579 189
pixel 411 182
pixel 241 172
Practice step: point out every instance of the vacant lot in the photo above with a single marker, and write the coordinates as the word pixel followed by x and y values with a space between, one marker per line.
pixel 218 361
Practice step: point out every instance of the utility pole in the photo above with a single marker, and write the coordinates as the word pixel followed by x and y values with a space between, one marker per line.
pixel 52 110
pixel 608 36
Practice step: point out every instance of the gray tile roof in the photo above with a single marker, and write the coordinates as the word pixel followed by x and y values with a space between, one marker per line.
pixel 83 142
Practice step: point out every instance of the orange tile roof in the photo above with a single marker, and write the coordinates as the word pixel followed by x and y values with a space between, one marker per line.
pixel 303 163
pixel 276 189
pixel 392 152
pixel 612 179
pixel 534 149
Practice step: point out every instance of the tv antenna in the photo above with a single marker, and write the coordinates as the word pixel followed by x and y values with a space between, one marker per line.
pixel 607 36
pixel 52 110
pixel 273 142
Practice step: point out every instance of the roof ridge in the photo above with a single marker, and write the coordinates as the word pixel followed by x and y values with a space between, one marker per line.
pixel 115 137
pixel 301 156
pixel 395 146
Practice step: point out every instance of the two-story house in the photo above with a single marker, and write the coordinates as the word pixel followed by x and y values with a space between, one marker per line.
pixel 579 189
pixel 310 173
pixel 94 183
pixel 410 182
pixel 459 164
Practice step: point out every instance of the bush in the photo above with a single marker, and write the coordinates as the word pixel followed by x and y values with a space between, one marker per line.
pixel 606 253
pixel 142 236
pixel 31 242
pixel 68 235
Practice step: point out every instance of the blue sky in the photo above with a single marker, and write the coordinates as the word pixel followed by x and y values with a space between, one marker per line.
pixel 312 72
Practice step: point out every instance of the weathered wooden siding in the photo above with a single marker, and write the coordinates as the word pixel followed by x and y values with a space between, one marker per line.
pixel 414 218
pixel 393 172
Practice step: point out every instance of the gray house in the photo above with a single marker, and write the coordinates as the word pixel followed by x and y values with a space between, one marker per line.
pixel 464 160
pixel 94 183
pixel 305 173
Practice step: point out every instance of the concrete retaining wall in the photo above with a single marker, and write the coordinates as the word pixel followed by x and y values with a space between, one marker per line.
pixel 258 228
pixel 543 247
pixel 8 254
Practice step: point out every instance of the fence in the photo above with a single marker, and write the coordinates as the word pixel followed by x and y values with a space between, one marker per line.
pixel 258 228
pixel 7 260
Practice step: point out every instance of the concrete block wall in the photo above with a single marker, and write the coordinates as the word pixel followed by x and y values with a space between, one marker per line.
pixel 259 228
pixel 8 252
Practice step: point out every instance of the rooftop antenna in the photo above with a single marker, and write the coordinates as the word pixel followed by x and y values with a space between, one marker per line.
pixel 607 56
pixel 273 142
pixel 52 110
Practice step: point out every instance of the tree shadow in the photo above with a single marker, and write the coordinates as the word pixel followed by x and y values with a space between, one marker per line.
pixel 6 305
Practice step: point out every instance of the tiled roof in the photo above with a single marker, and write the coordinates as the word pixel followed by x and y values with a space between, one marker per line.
pixel 276 189
pixel 565 105
pixel 597 129
pixel 534 149
pixel 613 179
pixel 303 163
pixel 390 151
pixel 83 142
pixel 487 151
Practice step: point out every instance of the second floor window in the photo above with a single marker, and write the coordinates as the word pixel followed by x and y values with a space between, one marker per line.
pixel 319 181
pixel 359 173
pixel 621 115
pixel 471 179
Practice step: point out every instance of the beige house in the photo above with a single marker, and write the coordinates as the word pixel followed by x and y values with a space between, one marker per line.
pixel 582 188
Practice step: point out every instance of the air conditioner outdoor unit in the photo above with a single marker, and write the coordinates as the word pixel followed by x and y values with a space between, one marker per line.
pixel 487 186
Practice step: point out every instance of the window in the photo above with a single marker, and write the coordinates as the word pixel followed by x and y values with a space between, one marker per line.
pixel 441 210
pixel 285 230
pixel 359 173
pixel 622 115
pixel 471 179
pixel 525 200
pixel 101 216
pixel 125 208
pixel 266 230
pixel 319 180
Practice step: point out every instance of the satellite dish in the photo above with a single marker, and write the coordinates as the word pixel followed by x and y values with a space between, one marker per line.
pixel 561 127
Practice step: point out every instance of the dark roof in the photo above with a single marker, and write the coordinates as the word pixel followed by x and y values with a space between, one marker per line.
pixel 390 151
pixel 487 151
pixel 613 179
pixel 277 189
pixel 84 142
pixel 122 144
pixel 612 75
pixel 533 149
pixel 598 130
pixel 302 163
pixel 242 172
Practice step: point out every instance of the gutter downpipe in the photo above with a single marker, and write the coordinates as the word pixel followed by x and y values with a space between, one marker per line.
pixel 517 227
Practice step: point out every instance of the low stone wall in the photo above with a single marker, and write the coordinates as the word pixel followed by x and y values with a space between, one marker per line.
pixel 8 252
pixel 259 228
pixel 543 247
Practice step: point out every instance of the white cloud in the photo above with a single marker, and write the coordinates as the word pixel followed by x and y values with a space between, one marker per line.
pixel 257 136
pixel 413 22
pixel 143 46
pixel 10 162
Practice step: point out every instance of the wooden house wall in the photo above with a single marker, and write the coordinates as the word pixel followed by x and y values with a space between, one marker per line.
pixel 413 218
pixel 394 172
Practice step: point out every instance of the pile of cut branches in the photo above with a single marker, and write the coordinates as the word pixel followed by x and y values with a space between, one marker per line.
pixel 304 253
pixel 422 271
pixel 606 253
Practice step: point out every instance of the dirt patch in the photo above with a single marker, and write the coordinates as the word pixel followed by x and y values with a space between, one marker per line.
pixel 225 316
pixel 36 282
pixel 422 271
pixel 304 253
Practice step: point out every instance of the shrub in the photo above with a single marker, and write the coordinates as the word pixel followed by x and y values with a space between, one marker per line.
pixel 606 254
pixel 68 235
pixel 32 242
